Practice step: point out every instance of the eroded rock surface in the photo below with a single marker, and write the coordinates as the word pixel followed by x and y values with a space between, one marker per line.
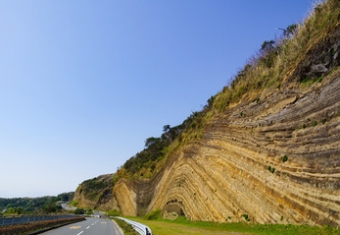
pixel 273 157
pixel 237 170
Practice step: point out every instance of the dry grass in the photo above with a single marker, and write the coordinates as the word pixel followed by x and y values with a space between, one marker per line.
pixel 257 76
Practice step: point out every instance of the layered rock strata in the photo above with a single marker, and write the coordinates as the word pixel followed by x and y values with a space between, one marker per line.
pixel 276 159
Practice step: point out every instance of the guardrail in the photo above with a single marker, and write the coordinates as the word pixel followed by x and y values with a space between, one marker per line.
pixel 140 228
pixel 25 219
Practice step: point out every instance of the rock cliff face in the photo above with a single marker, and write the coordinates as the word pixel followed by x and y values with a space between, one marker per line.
pixel 97 193
pixel 273 157
pixel 278 162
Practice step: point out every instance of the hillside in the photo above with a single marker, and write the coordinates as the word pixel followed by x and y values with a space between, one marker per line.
pixel 265 149
pixel 24 205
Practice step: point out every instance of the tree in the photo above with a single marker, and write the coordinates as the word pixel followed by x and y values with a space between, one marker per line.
pixel 290 30
pixel 150 141
pixel 268 53
pixel 51 208
pixel 166 128
pixel 15 211
pixel 267 46
pixel 79 211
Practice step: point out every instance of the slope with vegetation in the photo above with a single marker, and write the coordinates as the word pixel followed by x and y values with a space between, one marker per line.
pixel 47 204
pixel 265 149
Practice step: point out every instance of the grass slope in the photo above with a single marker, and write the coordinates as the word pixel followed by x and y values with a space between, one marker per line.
pixel 182 226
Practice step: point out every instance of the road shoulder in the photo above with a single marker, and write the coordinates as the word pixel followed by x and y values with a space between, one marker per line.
pixel 117 229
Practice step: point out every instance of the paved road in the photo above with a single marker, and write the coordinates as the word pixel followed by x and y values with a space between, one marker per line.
pixel 91 226
pixel 67 207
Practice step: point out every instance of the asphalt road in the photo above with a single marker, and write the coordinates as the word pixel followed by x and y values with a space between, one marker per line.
pixel 91 226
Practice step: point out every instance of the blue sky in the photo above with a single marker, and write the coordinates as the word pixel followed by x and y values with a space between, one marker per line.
pixel 84 83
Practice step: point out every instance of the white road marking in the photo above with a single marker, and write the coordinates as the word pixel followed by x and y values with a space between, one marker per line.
pixel 80 233
pixel 87 227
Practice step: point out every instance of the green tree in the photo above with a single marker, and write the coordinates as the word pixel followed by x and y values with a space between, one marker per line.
pixel 79 211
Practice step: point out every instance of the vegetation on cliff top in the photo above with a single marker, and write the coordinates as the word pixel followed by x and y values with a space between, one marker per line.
pixel 278 64
pixel 93 189
pixel 278 61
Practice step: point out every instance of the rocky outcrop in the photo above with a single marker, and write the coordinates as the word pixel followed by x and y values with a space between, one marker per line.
pixel 97 193
pixel 273 157
pixel 238 170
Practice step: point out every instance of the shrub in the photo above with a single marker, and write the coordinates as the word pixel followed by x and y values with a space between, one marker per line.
pixel 271 169
pixel 79 211
pixel 89 211
pixel 113 213
pixel 246 217
pixel 74 203
pixel 154 215
pixel 284 158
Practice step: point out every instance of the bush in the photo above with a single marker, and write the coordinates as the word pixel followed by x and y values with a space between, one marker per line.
pixel 284 158
pixel 74 203
pixel 113 213
pixel 271 169
pixel 154 215
pixel 79 211
pixel 246 217
pixel 89 212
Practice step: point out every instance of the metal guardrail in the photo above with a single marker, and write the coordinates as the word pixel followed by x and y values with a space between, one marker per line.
pixel 140 228
pixel 24 219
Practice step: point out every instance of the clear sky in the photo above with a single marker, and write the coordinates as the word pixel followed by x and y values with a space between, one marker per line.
pixel 83 83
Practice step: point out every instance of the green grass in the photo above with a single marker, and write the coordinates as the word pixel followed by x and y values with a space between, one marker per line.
pixel 127 228
pixel 184 226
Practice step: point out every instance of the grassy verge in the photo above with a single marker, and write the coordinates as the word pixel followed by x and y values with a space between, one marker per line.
pixel 127 228
pixel 183 226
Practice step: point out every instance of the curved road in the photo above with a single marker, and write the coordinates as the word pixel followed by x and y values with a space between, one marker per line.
pixel 91 226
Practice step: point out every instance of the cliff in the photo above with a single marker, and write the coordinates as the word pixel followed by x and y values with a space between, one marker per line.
pixel 269 155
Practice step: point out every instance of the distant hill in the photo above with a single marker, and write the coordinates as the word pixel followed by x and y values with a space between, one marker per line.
pixel 34 205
